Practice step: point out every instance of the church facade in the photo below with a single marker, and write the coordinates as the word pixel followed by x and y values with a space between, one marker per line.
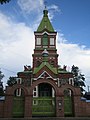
pixel 45 89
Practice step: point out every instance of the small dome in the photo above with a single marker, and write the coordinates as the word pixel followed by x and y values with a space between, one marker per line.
pixel 45 53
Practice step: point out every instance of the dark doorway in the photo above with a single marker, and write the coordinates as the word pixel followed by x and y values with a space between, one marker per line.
pixel 44 90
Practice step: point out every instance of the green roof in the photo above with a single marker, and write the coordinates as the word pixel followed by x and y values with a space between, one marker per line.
pixel 62 71
pixel 53 69
pixel 25 72
pixel 45 23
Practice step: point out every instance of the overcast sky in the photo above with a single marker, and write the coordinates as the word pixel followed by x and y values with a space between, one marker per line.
pixel 20 18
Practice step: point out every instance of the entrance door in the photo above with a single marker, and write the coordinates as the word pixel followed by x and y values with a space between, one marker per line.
pixel 44 104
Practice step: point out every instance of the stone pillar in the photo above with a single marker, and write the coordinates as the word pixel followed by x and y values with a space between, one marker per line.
pixel 28 106
pixel 59 106
pixel 8 106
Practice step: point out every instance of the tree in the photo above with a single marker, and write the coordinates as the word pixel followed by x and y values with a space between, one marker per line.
pixel 79 79
pixel 11 81
pixel 4 1
pixel 1 84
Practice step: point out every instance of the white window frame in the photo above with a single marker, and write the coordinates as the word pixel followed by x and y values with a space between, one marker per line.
pixel 71 81
pixel 35 91
pixel 19 80
pixel 35 102
pixel 52 41
pixel 18 92
pixel 38 41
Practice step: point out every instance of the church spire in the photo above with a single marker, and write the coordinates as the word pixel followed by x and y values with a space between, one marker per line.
pixel 45 23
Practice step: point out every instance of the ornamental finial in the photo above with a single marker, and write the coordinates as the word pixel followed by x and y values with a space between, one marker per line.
pixel 45 5
pixel 45 10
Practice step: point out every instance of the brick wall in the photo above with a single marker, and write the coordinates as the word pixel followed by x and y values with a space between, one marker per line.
pixel 84 109
pixel 88 108
pixel 1 108
pixel 81 108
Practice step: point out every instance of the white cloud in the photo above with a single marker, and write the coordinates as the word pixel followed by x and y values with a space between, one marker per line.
pixel 36 5
pixel 31 5
pixel 54 7
pixel 73 54
pixel 16 45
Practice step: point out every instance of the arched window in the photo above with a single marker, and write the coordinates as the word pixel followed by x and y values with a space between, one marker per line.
pixel 19 92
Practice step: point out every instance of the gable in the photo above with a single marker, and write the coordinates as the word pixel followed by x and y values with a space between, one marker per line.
pixel 43 65
pixel 45 75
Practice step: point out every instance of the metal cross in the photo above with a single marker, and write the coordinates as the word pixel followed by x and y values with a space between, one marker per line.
pixel 45 2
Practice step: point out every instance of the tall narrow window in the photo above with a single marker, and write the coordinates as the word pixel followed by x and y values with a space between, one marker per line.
pixel 51 41
pixel 38 41
pixel 45 40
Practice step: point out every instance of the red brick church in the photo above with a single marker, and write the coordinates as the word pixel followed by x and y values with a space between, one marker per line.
pixel 45 89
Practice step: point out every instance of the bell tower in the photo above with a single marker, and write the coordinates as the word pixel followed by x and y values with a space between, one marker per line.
pixel 45 40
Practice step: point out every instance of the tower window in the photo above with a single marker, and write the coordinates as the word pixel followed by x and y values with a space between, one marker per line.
pixel 51 41
pixel 45 40
pixel 38 41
